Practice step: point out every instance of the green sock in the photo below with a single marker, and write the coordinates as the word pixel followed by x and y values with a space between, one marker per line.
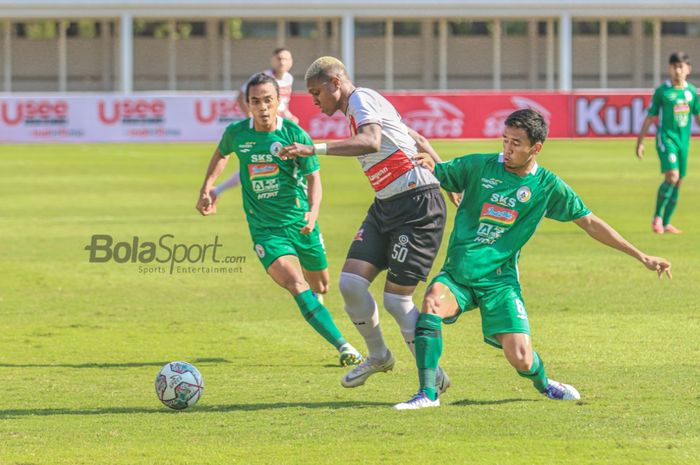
pixel 428 351
pixel 319 318
pixel 671 205
pixel 662 198
pixel 536 374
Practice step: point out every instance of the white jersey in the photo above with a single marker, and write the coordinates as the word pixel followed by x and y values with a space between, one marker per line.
pixel 285 85
pixel 392 170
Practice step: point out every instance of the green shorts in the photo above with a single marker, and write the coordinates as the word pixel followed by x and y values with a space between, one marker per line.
pixel 673 156
pixel 500 302
pixel 271 244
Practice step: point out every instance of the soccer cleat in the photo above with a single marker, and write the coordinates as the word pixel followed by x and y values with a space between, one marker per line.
pixel 560 391
pixel 420 400
pixel 657 225
pixel 671 229
pixel 350 356
pixel 442 381
pixel 358 375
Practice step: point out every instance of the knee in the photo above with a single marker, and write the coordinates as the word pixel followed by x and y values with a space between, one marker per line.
pixel 672 177
pixel 296 286
pixel 352 286
pixel 520 358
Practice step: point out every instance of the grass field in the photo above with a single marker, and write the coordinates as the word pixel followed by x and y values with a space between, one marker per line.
pixel 81 343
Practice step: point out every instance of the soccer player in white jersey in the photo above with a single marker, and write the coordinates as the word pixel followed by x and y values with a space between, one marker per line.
pixel 280 64
pixel 403 227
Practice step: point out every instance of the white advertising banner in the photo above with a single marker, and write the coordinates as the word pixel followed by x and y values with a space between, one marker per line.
pixel 114 118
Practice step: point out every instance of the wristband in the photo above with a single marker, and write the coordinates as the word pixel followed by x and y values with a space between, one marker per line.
pixel 320 149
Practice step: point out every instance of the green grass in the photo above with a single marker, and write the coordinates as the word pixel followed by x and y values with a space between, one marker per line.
pixel 81 343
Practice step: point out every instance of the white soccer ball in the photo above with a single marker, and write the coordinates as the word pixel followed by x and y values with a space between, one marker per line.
pixel 179 385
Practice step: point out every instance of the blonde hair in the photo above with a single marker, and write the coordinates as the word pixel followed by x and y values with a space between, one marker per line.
pixel 326 67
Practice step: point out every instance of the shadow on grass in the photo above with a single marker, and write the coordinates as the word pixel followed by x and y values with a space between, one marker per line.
pixel 109 365
pixel 468 402
pixel 6 414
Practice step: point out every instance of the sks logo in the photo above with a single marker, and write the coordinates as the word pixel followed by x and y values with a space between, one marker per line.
pixel 34 112
pixel 493 125
pixel 491 213
pixel 223 110
pixel 441 119
pixel 263 170
pixel 131 111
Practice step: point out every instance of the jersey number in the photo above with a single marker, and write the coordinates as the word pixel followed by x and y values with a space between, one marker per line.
pixel 399 253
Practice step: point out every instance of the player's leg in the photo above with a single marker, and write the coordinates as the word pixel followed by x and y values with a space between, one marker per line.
pixel 675 178
pixel 669 159
pixel 439 303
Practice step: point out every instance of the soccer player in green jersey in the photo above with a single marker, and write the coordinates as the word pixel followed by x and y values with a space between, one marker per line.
pixel 676 100
pixel 506 196
pixel 281 214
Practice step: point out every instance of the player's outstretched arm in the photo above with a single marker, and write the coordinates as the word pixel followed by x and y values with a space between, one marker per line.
pixel 603 232
pixel 367 140
pixel 315 194
pixel 639 149
pixel 205 203
pixel 424 146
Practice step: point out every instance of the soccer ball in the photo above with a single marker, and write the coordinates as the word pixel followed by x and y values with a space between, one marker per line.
pixel 179 385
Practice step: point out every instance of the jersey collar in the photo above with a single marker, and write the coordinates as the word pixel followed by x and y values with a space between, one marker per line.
pixel 532 171
pixel 279 123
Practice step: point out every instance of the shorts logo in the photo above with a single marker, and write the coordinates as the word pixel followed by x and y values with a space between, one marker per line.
pixel 275 148
pixel 260 250
pixel 524 194
pixel 491 213
pixel 672 158
pixel 263 171
pixel 403 239
pixel 358 236
pixel 522 314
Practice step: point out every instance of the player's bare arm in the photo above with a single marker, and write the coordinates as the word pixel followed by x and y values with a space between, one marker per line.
pixel 242 104
pixel 205 204
pixel 315 192
pixel 423 145
pixel 603 232
pixel 426 161
pixel 639 150
pixel 367 140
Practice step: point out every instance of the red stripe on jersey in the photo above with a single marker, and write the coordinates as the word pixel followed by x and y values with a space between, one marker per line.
pixel 353 126
pixel 388 170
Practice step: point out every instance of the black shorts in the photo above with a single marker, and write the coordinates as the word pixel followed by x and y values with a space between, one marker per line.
pixel 402 235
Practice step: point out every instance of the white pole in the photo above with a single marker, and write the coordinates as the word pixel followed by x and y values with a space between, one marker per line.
pixel 496 69
pixel 226 58
pixel 603 53
pixel 62 57
pixel 638 38
pixel 657 52
pixel 213 47
pixel 565 51
pixel 126 38
pixel 106 42
pixel 442 54
pixel 281 32
pixel 550 54
pixel 428 42
pixel 335 26
pixel 172 55
pixel 348 45
pixel 533 36
pixel 7 56
pixel 389 55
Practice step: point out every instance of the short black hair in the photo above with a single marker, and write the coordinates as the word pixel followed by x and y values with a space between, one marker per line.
pixel 678 57
pixel 279 50
pixel 531 121
pixel 258 79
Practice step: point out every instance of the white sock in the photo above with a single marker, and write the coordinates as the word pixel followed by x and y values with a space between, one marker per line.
pixel 405 313
pixel 363 312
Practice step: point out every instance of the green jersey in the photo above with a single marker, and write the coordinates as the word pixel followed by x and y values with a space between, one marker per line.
pixel 676 106
pixel 274 190
pixel 499 212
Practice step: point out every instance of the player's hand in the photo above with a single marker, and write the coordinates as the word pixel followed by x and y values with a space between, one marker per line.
pixel 640 150
pixel 310 218
pixel 296 150
pixel 206 205
pixel 455 198
pixel 425 160
pixel 658 264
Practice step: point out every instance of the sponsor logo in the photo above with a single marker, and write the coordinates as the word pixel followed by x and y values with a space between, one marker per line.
pixel 263 170
pixel 388 170
pixel 503 200
pixel 597 116
pixel 681 107
pixel 260 250
pixel 491 213
pixel 490 183
pixel 222 110
pixel 493 125
pixel 523 194
pixel 441 119
pixel 131 111
pixel 34 112
pixel 403 239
